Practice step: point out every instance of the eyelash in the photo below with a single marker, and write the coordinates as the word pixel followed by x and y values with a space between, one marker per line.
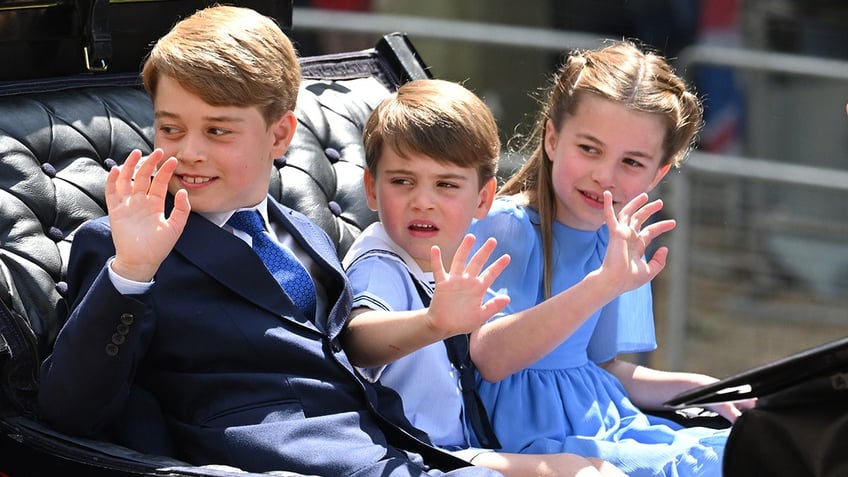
pixel 218 131
pixel 627 160
pixel 402 181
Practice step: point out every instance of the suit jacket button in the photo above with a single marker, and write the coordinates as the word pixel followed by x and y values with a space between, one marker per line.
pixel 123 329
pixel 118 339
pixel 111 349
pixel 127 318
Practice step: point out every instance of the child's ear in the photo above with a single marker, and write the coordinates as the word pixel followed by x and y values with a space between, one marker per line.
pixel 661 172
pixel 283 130
pixel 550 139
pixel 486 197
pixel 370 190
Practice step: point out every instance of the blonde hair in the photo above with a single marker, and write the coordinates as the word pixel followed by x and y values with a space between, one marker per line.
pixel 438 118
pixel 622 72
pixel 229 56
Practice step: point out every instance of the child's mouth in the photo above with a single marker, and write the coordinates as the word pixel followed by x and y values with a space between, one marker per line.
pixel 195 180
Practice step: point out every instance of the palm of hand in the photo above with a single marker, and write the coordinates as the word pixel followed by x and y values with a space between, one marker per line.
pixel 143 237
pixel 629 239
pixel 458 301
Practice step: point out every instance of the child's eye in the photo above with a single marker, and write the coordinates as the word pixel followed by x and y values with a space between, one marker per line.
pixel 632 162
pixel 588 149
pixel 447 185
pixel 167 129
pixel 218 131
pixel 401 181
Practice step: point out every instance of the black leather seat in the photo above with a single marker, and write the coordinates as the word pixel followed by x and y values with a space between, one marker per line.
pixel 58 139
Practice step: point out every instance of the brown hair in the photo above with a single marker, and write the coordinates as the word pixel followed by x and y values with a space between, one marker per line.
pixel 229 56
pixel 438 118
pixel 621 72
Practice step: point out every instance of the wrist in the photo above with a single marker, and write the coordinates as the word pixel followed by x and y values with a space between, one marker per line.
pixel 137 274
pixel 607 287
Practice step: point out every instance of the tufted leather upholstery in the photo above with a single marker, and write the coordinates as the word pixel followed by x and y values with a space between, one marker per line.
pixel 55 148
pixel 59 137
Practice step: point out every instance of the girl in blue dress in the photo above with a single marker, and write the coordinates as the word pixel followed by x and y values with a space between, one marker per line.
pixel 614 122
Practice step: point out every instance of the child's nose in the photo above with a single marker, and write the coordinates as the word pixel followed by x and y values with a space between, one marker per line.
pixel 192 148
pixel 421 198
pixel 604 175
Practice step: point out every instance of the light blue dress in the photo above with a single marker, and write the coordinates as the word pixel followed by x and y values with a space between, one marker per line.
pixel 565 402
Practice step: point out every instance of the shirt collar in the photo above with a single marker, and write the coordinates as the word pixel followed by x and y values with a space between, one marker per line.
pixel 221 218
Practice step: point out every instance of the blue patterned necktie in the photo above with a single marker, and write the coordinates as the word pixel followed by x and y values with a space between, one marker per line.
pixel 281 262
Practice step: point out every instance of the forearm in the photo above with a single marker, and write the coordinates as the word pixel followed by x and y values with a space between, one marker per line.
pixel 85 381
pixel 649 388
pixel 511 343
pixel 376 338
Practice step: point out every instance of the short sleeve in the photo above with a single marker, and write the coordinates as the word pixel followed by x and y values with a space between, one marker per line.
pixel 380 282
pixel 514 228
pixel 626 325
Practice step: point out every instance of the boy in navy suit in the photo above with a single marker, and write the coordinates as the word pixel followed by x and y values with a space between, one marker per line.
pixel 175 319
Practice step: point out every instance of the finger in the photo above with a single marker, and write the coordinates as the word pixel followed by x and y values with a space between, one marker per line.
pixel 495 305
pixel 159 185
pixel 641 215
pixel 656 229
pixel 112 198
pixel 635 204
pixel 436 264
pixel 494 270
pixel 179 214
pixel 609 211
pixel 147 168
pixel 461 255
pixel 746 404
pixel 657 262
pixel 481 256
pixel 123 180
pixel 730 412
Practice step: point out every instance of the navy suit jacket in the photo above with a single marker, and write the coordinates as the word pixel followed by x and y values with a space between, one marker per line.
pixel 232 369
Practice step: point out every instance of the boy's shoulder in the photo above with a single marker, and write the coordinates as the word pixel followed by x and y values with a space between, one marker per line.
pixel 373 241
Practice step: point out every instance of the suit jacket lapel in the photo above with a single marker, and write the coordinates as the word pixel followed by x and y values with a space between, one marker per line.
pixel 234 264
pixel 323 252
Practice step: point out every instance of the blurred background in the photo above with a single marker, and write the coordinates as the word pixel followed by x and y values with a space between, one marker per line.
pixel 758 267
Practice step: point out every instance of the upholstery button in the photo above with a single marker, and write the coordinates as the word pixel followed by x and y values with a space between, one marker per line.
pixel 118 339
pixel 48 169
pixel 280 162
pixel 332 154
pixel 109 163
pixel 336 346
pixel 123 329
pixel 127 318
pixel 112 349
pixel 55 234
pixel 335 208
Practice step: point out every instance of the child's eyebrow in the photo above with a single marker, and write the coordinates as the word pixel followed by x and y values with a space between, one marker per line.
pixel 215 119
pixel 454 176
pixel 164 114
pixel 634 153
pixel 640 154
pixel 224 119
pixel 446 175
